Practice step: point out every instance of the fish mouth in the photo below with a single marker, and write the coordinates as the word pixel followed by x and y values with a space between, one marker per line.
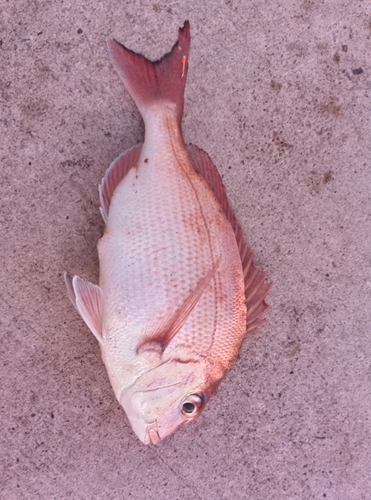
pixel 152 436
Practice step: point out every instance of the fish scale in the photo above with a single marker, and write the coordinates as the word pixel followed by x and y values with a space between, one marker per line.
pixel 180 256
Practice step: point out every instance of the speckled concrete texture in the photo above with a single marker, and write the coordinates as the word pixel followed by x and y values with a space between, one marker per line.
pixel 278 94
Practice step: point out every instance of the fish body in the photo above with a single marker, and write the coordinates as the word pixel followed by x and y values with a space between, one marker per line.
pixel 177 289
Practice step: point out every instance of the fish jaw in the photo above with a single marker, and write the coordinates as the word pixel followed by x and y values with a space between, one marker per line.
pixel 140 408
pixel 155 404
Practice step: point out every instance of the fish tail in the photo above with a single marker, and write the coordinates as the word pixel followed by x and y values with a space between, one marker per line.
pixel 152 82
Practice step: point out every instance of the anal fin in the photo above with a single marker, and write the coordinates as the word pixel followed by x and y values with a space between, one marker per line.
pixel 87 298
pixel 114 175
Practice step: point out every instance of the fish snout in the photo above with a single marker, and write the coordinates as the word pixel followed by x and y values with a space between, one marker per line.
pixel 152 436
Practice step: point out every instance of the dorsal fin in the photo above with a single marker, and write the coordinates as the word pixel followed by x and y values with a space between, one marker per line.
pixel 87 298
pixel 114 175
pixel 255 288
pixel 164 334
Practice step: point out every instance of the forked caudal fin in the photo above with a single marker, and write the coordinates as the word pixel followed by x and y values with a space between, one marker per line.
pixel 153 82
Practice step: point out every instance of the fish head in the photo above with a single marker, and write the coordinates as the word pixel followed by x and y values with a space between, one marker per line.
pixel 167 397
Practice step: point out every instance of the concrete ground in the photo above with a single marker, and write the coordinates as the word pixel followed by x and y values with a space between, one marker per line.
pixel 278 94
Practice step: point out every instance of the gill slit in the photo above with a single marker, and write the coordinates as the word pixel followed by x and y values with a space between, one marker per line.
pixel 170 128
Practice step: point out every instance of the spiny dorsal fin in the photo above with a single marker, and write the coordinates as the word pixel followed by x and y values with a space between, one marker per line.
pixel 255 288
pixel 164 334
pixel 87 298
pixel 114 175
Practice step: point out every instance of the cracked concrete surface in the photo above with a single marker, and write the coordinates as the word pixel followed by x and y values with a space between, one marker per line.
pixel 278 94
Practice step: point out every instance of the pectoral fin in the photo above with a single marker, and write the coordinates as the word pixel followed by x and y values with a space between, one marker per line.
pixel 87 298
pixel 164 334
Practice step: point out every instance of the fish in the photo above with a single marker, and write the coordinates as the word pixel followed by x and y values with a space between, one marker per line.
pixel 178 290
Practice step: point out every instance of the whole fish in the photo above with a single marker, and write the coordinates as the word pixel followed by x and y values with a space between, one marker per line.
pixel 178 290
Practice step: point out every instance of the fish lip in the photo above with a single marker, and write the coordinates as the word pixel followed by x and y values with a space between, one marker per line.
pixel 152 436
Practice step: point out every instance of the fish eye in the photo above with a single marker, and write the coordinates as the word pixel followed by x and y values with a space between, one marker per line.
pixel 192 404
pixel 188 407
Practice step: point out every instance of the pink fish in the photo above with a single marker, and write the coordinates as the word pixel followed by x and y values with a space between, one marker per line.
pixel 178 289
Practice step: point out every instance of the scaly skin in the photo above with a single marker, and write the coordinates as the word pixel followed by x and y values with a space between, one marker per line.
pixel 165 231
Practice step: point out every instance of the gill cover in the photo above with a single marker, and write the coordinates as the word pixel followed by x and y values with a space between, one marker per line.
pixel 164 399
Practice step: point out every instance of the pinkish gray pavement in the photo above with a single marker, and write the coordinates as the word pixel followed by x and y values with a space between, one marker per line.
pixel 279 96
